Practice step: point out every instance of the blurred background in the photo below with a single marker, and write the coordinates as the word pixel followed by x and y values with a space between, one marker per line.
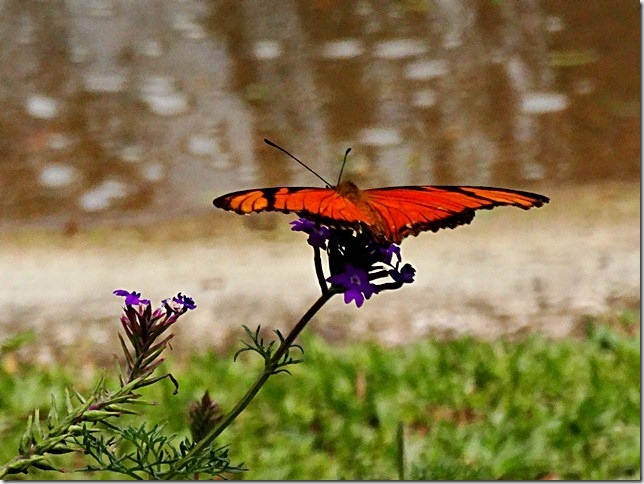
pixel 121 120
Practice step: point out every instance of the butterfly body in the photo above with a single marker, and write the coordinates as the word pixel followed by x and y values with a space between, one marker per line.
pixel 390 214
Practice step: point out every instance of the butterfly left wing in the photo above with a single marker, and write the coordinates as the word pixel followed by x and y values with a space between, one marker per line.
pixel 410 210
pixel 324 204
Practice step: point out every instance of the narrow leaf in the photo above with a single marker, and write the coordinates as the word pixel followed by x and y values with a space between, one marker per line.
pixel 80 397
pixel 68 401
pixel 27 437
pixel 37 430
pixel 52 416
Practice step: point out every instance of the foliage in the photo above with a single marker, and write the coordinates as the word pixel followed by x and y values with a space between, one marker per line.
pixel 85 423
pixel 471 409
pixel 150 454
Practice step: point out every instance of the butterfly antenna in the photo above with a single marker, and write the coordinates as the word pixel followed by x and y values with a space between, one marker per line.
pixel 270 143
pixel 346 153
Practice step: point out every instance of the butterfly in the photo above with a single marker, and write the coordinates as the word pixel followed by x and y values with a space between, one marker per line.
pixel 390 214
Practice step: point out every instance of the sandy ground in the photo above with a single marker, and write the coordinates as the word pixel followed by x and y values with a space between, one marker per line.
pixel 508 273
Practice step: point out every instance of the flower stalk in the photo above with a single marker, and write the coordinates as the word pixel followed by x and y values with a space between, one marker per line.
pixel 356 262
pixel 271 365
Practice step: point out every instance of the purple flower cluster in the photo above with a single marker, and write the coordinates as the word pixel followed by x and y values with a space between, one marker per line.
pixel 178 304
pixel 360 265
pixel 145 328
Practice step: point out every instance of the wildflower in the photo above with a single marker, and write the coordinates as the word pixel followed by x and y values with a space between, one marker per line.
pixel 145 330
pixel 356 284
pixel 361 264
pixel 404 275
pixel 318 234
pixel 180 303
pixel 388 253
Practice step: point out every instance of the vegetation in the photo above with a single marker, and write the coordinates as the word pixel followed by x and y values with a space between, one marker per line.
pixel 469 409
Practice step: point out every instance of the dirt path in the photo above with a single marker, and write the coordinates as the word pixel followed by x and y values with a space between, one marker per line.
pixel 510 271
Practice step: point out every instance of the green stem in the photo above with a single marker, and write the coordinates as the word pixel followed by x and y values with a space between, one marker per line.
pixel 400 441
pixel 259 383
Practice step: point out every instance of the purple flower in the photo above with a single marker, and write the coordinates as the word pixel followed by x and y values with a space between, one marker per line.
pixel 405 275
pixel 387 253
pixel 355 283
pixel 181 303
pixel 131 298
pixel 318 234
pixel 187 301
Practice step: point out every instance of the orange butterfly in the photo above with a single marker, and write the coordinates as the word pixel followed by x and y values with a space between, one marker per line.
pixel 390 214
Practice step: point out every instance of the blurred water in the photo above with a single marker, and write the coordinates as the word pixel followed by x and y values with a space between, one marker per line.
pixel 116 106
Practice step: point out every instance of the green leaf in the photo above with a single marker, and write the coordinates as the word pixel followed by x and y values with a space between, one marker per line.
pixel 52 416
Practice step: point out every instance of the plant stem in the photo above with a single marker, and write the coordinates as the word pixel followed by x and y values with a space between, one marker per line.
pixel 269 367
pixel 317 260
pixel 400 447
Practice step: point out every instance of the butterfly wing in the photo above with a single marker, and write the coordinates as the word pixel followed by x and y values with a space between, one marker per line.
pixel 324 204
pixel 407 211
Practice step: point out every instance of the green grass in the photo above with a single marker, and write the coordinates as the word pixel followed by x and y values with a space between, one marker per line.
pixel 471 409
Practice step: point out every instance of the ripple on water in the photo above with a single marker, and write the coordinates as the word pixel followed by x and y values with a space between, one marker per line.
pixel 101 196
pixel 42 107
pixel 57 175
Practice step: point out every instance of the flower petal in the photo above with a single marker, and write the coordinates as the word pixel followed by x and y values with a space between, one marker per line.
pixel 354 294
pixel 131 298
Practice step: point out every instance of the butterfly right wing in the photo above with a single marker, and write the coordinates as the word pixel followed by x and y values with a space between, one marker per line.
pixel 410 210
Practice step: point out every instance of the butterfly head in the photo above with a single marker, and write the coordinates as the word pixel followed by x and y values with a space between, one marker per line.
pixel 348 190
